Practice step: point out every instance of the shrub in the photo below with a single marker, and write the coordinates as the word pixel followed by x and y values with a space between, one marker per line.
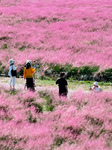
pixel 105 75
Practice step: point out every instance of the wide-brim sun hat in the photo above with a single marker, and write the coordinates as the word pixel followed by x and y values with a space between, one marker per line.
pixel 11 61
pixel 96 83
pixel 28 61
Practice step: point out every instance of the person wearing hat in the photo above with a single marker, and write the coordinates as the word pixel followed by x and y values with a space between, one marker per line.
pixel 96 87
pixel 28 75
pixel 12 74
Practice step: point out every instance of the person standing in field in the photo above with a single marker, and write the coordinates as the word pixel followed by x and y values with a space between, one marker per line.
pixel 12 73
pixel 96 87
pixel 62 83
pixel 28 75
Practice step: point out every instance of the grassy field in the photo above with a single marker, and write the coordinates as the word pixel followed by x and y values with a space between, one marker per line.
pixel 54 34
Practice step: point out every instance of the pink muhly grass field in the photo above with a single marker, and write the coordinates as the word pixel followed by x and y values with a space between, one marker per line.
pixel 72 32
pixel 83 121
pixel 52 31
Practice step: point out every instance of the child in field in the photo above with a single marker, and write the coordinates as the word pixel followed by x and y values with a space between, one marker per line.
pixel 28 74
pixel 12 74
pixel 62 83
pixel 96 87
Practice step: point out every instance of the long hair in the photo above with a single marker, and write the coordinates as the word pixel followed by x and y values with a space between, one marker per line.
pixel 28 65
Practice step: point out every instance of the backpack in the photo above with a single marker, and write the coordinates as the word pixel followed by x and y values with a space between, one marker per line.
pixel 14 73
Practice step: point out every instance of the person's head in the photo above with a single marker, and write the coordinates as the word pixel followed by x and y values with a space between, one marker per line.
pixel 96 84
pixel 28 61
pixel 11 61
pixel 62 74
pixel 28 64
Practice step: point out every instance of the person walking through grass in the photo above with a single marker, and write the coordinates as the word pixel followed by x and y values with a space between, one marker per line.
pixel 12 73
pixel 28 75
pixel 62 83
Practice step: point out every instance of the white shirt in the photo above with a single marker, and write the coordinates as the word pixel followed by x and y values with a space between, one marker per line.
pixel 96 89
pixel 10 68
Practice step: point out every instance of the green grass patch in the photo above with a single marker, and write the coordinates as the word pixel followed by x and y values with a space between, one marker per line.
pixel 22 47
pixel 47 106
pixel 11 92
pixel 75 84
pixel 58 141
pixel 4 46
pixel 4 38
pixel 45 82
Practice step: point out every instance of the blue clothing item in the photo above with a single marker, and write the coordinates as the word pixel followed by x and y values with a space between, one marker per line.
pixel 10 68
pixel 35 65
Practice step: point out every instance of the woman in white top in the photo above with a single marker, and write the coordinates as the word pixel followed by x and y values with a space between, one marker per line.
pixel 12 77
pixel 96 87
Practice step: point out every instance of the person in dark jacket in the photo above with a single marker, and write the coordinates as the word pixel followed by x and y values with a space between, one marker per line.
pixel 62 83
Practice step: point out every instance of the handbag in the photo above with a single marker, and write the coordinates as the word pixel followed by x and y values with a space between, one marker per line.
pixel 14 73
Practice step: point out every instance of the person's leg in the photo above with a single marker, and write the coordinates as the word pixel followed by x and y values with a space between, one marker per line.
pixel 10 83
pixel 34 85
pixel 13 82
pixel 25 86
pixel 65 94
pixel 30 84
pixel 34 82
pixel 27 83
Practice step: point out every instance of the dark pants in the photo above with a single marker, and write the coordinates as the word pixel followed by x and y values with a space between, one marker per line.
pixel 30 84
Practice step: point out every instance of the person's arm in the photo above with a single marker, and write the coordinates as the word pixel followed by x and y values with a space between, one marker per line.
pixel 16 67
pixel 57 82
pixel 13 67
pixel 66 88
pixel 33 71
pixel 92 88
pixel 10 71
pixel 35 66
pixel 24 75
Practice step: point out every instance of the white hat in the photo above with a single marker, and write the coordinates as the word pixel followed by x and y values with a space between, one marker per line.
pixel 28 61
pixel 96 83
pixel 11 61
